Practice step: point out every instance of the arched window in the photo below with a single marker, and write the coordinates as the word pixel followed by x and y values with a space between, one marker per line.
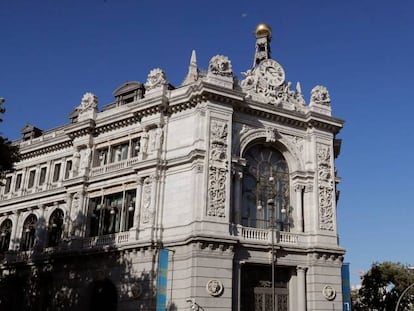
pixel 265 189
pixel 55 228
pixel 5 234
pixel 29 230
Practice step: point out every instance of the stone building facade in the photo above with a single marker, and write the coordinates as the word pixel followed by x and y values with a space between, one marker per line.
pixel 235 179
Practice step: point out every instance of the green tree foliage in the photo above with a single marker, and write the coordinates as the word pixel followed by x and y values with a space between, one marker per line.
pixel 382 286
pixel 9 153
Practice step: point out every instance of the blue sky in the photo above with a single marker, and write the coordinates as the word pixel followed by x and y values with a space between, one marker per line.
pixel 52 52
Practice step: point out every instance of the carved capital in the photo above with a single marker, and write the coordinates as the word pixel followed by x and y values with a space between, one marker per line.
pixel 299 187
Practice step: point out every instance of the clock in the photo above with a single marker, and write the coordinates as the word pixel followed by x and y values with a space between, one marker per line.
pixel 272 72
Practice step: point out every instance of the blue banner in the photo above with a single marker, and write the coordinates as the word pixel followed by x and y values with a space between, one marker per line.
pixel 346 288
pixel 162 280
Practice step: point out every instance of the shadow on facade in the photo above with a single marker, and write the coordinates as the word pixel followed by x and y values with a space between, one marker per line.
pixel 74 276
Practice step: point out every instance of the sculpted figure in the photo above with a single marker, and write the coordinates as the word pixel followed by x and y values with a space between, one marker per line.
pixel 155 78
pixel 89 101
pixel 158 138
pixel 220 65
pixel 76 161
pixel 85 158
pixel 320 95
pixel 144 142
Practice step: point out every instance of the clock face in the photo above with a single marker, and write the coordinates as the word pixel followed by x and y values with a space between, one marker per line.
pixel 272 72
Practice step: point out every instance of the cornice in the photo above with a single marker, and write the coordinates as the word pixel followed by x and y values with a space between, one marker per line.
pixel 79 129
pixel 109 126
pixel 40 150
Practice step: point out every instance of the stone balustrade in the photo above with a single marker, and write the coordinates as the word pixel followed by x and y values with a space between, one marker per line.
pixel 264 235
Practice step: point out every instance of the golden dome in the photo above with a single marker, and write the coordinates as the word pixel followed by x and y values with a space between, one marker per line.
pixel 263 30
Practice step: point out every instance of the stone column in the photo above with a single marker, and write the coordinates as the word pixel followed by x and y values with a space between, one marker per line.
pixel 138 199
pixel 301 288
pixel 68 223
pixel 40 235
pixel 299 207
pixel 13 237
pixel 237 196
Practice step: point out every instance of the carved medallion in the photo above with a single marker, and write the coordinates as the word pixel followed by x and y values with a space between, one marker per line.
pixel 329 292
pixel 214 288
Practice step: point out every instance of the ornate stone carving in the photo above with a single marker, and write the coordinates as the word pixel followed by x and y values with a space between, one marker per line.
pixel 76 162
pixel 270 134
pixel 220 65
pixel 157 138
pixel 214 287
pixel 155 78
pixel 294 141
pixel 146 201
pixel 217 169
pixel 136 290
pixel 217 192
pixel 266 83
pixel 89 102
pixel 144 142
pixel 85 155
pixel 320 95
pixel 325 188
pixel 329 292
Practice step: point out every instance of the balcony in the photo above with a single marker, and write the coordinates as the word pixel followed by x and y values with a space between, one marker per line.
pixel 249 234
pixel 67 246
pixel 112 167
pixel 115 239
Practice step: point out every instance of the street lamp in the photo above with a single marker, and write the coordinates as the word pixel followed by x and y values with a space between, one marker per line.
pixel 404 292
pixel 271 207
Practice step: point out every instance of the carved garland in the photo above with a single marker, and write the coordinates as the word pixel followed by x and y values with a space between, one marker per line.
pixel 217 169
pixel 325 188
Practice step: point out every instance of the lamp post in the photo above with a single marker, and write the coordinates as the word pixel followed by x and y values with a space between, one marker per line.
pixel 271 207
pixel 404 292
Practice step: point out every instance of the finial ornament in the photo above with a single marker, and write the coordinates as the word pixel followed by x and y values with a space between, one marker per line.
pixel 263 30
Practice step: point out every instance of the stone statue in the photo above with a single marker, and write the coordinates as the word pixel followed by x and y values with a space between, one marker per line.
pixel 155 78
pixel 144 142
pixel 158 138
pixel 220 65
pixel 89 102
pixel 320 95
pixel 85 155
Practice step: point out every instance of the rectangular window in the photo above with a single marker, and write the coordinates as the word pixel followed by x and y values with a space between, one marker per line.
pixel 112 213
pixel 18 184
pixel 119 153
pixel 32 175
pixel 42 177
pixel 68 168
pixel 8 184
pixel 56 172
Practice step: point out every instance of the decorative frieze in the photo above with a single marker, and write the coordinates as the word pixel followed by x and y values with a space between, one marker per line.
pixel 146 201
pixel 217 169
pixel 325 188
